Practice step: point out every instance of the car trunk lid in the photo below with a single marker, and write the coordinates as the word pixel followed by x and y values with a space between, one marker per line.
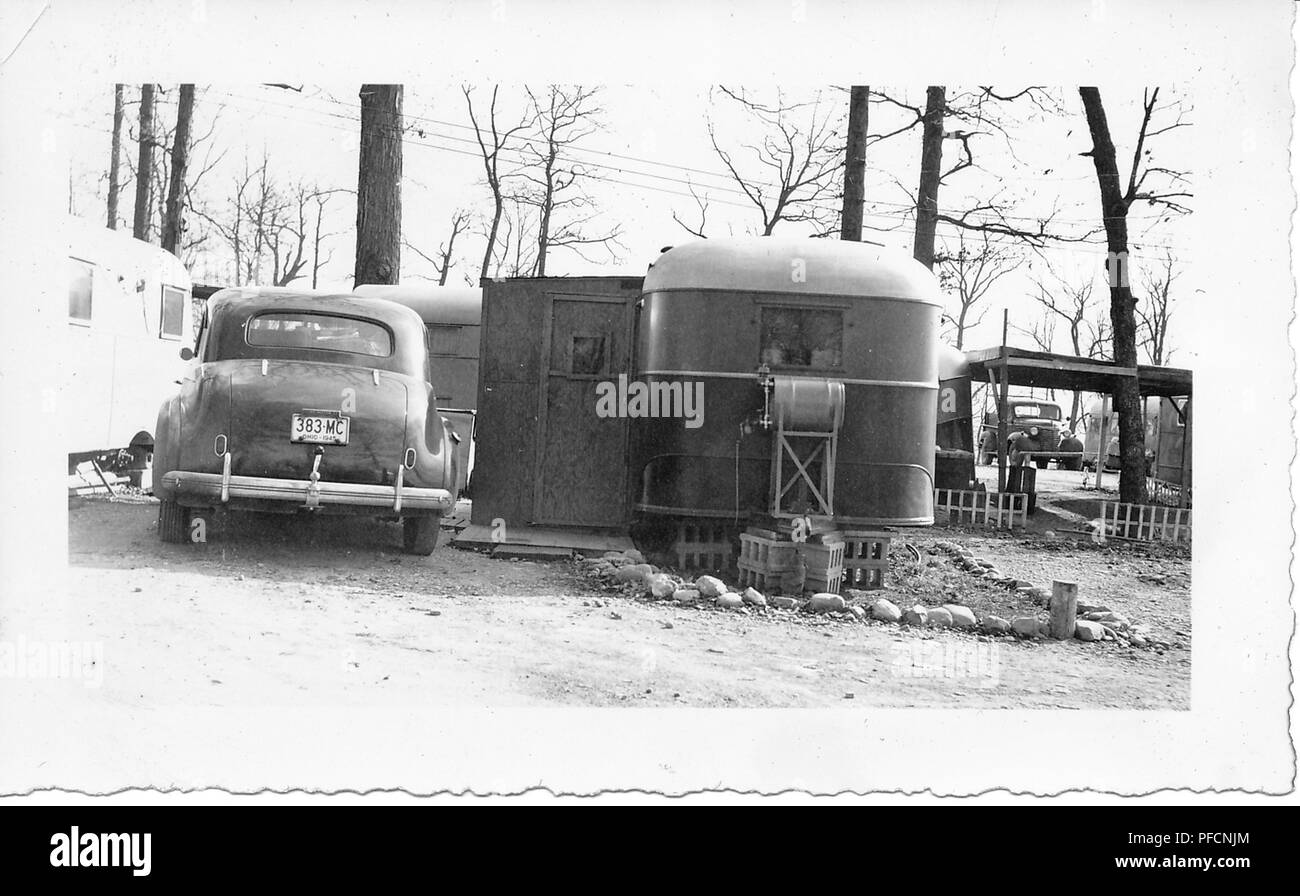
pixel 265 396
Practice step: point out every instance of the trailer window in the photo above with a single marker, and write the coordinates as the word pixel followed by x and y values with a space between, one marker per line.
pixel 802 337
pixel 81 278
pixel 443 340
pixel 291 329
pixel 173 313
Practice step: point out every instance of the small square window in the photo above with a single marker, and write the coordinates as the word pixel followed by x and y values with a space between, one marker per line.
pixel 443 340
pixel 81 277
pixel 173 313
pixel 588 356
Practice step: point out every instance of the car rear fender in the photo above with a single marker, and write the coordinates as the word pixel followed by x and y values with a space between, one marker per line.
pixel 433 441
pixel 167 439
pixel 201 413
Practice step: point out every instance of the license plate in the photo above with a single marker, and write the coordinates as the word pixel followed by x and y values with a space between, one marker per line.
pixel 319 430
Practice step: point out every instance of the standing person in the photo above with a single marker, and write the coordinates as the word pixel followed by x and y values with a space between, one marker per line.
pixel 1025 443
pixel 1071 443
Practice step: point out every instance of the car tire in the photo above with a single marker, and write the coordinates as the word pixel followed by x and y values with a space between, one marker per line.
pixel 173 522
pixel 420 534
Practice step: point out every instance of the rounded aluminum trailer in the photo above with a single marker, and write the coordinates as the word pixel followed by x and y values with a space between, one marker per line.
pixel 746 321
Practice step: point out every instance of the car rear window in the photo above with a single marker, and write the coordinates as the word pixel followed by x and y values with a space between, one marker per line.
pixel 298 329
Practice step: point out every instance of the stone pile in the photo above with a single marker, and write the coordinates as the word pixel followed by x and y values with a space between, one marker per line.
pixel 1093 622
pixel 627 572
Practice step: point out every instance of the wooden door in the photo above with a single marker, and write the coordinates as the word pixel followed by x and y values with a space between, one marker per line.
pixel 581 457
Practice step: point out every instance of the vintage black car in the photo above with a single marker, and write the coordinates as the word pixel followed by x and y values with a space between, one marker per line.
pixel 306 401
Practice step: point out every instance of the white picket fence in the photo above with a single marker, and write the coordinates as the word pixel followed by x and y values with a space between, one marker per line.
pixel 980 508
pixel 1145 522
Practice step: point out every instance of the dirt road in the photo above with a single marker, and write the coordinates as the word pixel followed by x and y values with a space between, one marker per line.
pixel 276 611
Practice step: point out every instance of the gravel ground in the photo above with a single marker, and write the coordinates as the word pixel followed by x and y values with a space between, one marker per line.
pixel 286 611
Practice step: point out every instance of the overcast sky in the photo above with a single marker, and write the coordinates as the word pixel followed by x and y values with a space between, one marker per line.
pixel 652 149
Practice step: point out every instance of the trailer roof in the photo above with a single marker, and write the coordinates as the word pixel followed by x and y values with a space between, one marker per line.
pixel 822 267
pixel 1047 370
pixel 952 362
pixel 435 304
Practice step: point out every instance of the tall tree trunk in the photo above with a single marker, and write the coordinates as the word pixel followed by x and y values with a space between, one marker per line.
pixel 379 186
pixel 927 195
pixel 315 246
pixel 544 224
pixel 144 167
pixel 1114 209
pixel 446 257
pixel 855 171
pixel 492 234
pixel 173 222
pixel 115 158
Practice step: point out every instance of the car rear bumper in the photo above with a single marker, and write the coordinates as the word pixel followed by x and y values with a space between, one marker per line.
pixel 217 488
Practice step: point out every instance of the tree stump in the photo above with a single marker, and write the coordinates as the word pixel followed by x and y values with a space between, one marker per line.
pixel 1062 608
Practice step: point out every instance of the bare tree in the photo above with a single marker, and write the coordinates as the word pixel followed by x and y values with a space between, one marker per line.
pixel 516 250
pixel 1071 303
pixel 1042 331
pixel 293 226
pixel 140 227
pixel 962 117
pixel 460 220
pixel 320 198
pixel 229 222
pixel 190 239
pixel 289 233
pixel 115 157
pixel 562 118
pixel 173 221
pixel 702 207
pixel 490 145
pixel 274 232
pixel 1156 308
pixel 796 162
pixel 968 273
pixel 379 186
pixel 1117 197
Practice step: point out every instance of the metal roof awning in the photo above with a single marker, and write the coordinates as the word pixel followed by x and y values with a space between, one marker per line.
pixel 1047 370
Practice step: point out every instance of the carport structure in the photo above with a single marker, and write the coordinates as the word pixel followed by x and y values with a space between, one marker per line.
pixel 1004 366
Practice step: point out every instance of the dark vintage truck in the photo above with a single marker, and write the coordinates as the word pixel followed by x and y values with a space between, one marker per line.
pixel 1025 413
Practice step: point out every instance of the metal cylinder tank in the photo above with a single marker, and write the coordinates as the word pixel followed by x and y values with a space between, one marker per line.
pixel 776 335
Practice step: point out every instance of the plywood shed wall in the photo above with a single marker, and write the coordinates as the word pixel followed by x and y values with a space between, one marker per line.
pixel 543 456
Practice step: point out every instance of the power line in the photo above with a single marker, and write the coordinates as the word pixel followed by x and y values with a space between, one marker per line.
pixel 425 143
pixel 998 240
pixel 904 209
pixel 728 176
pixel 895 218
